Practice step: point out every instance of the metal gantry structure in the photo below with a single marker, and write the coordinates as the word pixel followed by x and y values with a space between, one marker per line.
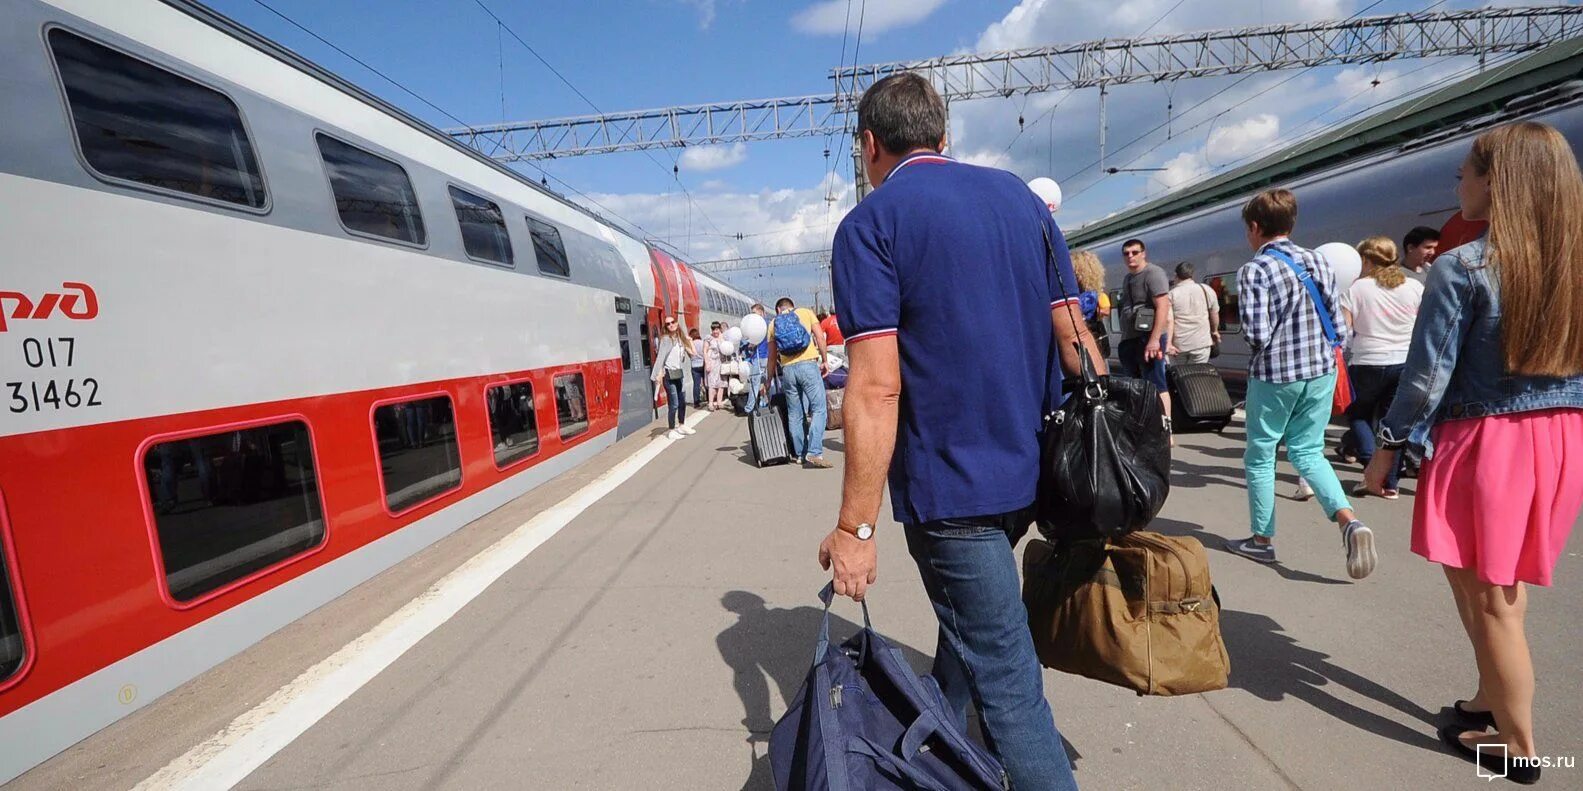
pixel 1101 64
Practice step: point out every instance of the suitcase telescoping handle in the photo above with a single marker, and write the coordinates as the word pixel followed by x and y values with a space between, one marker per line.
pixel 827 595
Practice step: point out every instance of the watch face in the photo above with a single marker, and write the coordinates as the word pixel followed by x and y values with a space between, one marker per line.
pixel 865 532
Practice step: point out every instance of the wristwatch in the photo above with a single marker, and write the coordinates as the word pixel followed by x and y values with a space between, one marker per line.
pixel 862 532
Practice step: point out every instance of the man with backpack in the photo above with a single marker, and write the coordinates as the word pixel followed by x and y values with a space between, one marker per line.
pixel 798 354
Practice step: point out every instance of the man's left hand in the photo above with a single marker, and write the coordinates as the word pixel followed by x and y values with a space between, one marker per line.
pixel 853 562
pixel 1153 352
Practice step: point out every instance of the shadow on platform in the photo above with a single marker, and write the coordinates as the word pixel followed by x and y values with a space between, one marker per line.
pixel 1270 664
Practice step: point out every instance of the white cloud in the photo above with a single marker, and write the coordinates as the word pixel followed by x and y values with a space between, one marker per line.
pixel 1184 168
pixel 702 158
pixel 1041 22
pixel 830 16
pixel 1240 140
pixel 706 11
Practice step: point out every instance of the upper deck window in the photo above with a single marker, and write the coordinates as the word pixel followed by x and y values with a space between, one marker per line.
pixel 483 227
pixel 137 122
pixel 548 248
pixel 372 194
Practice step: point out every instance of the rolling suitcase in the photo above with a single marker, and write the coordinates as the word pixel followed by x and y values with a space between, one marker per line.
pixel 767 435
pixel 1198 397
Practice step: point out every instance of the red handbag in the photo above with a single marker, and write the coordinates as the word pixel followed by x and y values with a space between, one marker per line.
pixel 1344 394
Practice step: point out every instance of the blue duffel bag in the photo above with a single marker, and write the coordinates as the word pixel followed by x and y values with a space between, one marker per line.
pixel 864 720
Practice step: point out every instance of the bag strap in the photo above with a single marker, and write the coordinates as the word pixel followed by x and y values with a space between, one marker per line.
pixel 895 766
pixel 1313 294
pixel 1090 377
pixel 827 595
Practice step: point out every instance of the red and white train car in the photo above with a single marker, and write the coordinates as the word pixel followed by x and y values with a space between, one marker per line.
pixel 262 336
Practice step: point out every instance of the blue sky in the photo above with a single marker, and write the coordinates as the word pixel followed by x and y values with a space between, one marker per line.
pixel 631 54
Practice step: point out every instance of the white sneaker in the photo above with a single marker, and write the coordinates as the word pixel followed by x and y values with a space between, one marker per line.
pixel 1304 491
pixel 674 434
pixel 687 430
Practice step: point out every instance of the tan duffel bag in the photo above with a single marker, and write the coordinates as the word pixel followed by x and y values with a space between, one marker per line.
pixel 1138 612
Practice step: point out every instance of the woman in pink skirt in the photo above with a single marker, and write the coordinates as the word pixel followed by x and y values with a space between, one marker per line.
pixel 1493 393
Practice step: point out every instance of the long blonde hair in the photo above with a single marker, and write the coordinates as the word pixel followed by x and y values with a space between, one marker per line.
pixel 1090 272
pixel 1535 245
pixel 1381 252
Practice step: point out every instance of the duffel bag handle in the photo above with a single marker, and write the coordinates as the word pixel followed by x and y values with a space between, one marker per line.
pixel 896 766
pixel 827 595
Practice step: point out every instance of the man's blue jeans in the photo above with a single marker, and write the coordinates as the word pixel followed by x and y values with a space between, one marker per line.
pixel 804 389
pixel 986 654
pixel 755 384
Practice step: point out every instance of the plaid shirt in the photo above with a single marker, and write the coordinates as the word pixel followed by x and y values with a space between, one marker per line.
pixel 1278 317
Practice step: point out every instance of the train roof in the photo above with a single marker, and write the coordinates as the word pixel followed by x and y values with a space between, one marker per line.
pixel 280 52
pixel 1452 109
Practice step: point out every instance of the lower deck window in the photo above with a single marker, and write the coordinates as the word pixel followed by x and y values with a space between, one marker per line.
pixel 512 422
pixel 418 455
pixel 12 652
pixel 232 503
pixel 571 405
pixel 626 346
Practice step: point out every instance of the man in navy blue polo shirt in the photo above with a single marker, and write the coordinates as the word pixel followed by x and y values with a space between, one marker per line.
pixel 947 297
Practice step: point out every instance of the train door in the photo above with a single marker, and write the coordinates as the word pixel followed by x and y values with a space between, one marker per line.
pixel 667 296
pixel 635 367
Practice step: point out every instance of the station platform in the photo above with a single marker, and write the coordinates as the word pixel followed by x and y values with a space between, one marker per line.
pixel 652 641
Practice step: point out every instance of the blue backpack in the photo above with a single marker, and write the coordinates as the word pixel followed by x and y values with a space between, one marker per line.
pixel 791 337
pixel 863 720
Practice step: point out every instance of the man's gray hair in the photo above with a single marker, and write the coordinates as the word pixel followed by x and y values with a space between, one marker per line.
pixel 1184 271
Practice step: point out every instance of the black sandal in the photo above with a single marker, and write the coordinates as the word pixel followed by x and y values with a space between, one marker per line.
pixel 1496 764
pixel 1484 719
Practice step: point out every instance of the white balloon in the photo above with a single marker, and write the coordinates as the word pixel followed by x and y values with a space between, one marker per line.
pixel 1048 191
pixel 727 348
pixel 734 335
pixel 736 387
pixel 1344 261
pixel 754 328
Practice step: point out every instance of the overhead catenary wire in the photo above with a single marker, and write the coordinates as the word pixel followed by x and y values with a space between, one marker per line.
pixel 1360 12
pixel 632 224
pixel 673 173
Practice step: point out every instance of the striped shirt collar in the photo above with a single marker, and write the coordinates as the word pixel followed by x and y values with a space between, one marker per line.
pixel 922 156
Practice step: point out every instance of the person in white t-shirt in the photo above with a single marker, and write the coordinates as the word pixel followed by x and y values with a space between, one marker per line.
pixel 1195 318
pixel 1381 306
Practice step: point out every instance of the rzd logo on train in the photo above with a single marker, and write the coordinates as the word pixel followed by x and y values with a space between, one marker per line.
pixel 82 306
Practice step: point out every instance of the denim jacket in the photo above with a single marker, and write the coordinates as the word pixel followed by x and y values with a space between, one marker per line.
pixel 1456 368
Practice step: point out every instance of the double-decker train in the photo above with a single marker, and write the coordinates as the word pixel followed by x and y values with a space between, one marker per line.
pixel 1384 174
pixel 262 336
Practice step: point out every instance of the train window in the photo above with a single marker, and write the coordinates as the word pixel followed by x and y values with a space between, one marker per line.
pixel 1114 322
pixel 626 346
pixel 571 405
pixel 372 194
pixel 12 651
pixel 232 503
pixel 137 122
pixel 512 422
pixel 643 339
pixel 418 456
pixel 548 248
pixel 484 234
pixel 1225 287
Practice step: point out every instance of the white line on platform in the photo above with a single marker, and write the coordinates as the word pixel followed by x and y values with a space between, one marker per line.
pixel 228 757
